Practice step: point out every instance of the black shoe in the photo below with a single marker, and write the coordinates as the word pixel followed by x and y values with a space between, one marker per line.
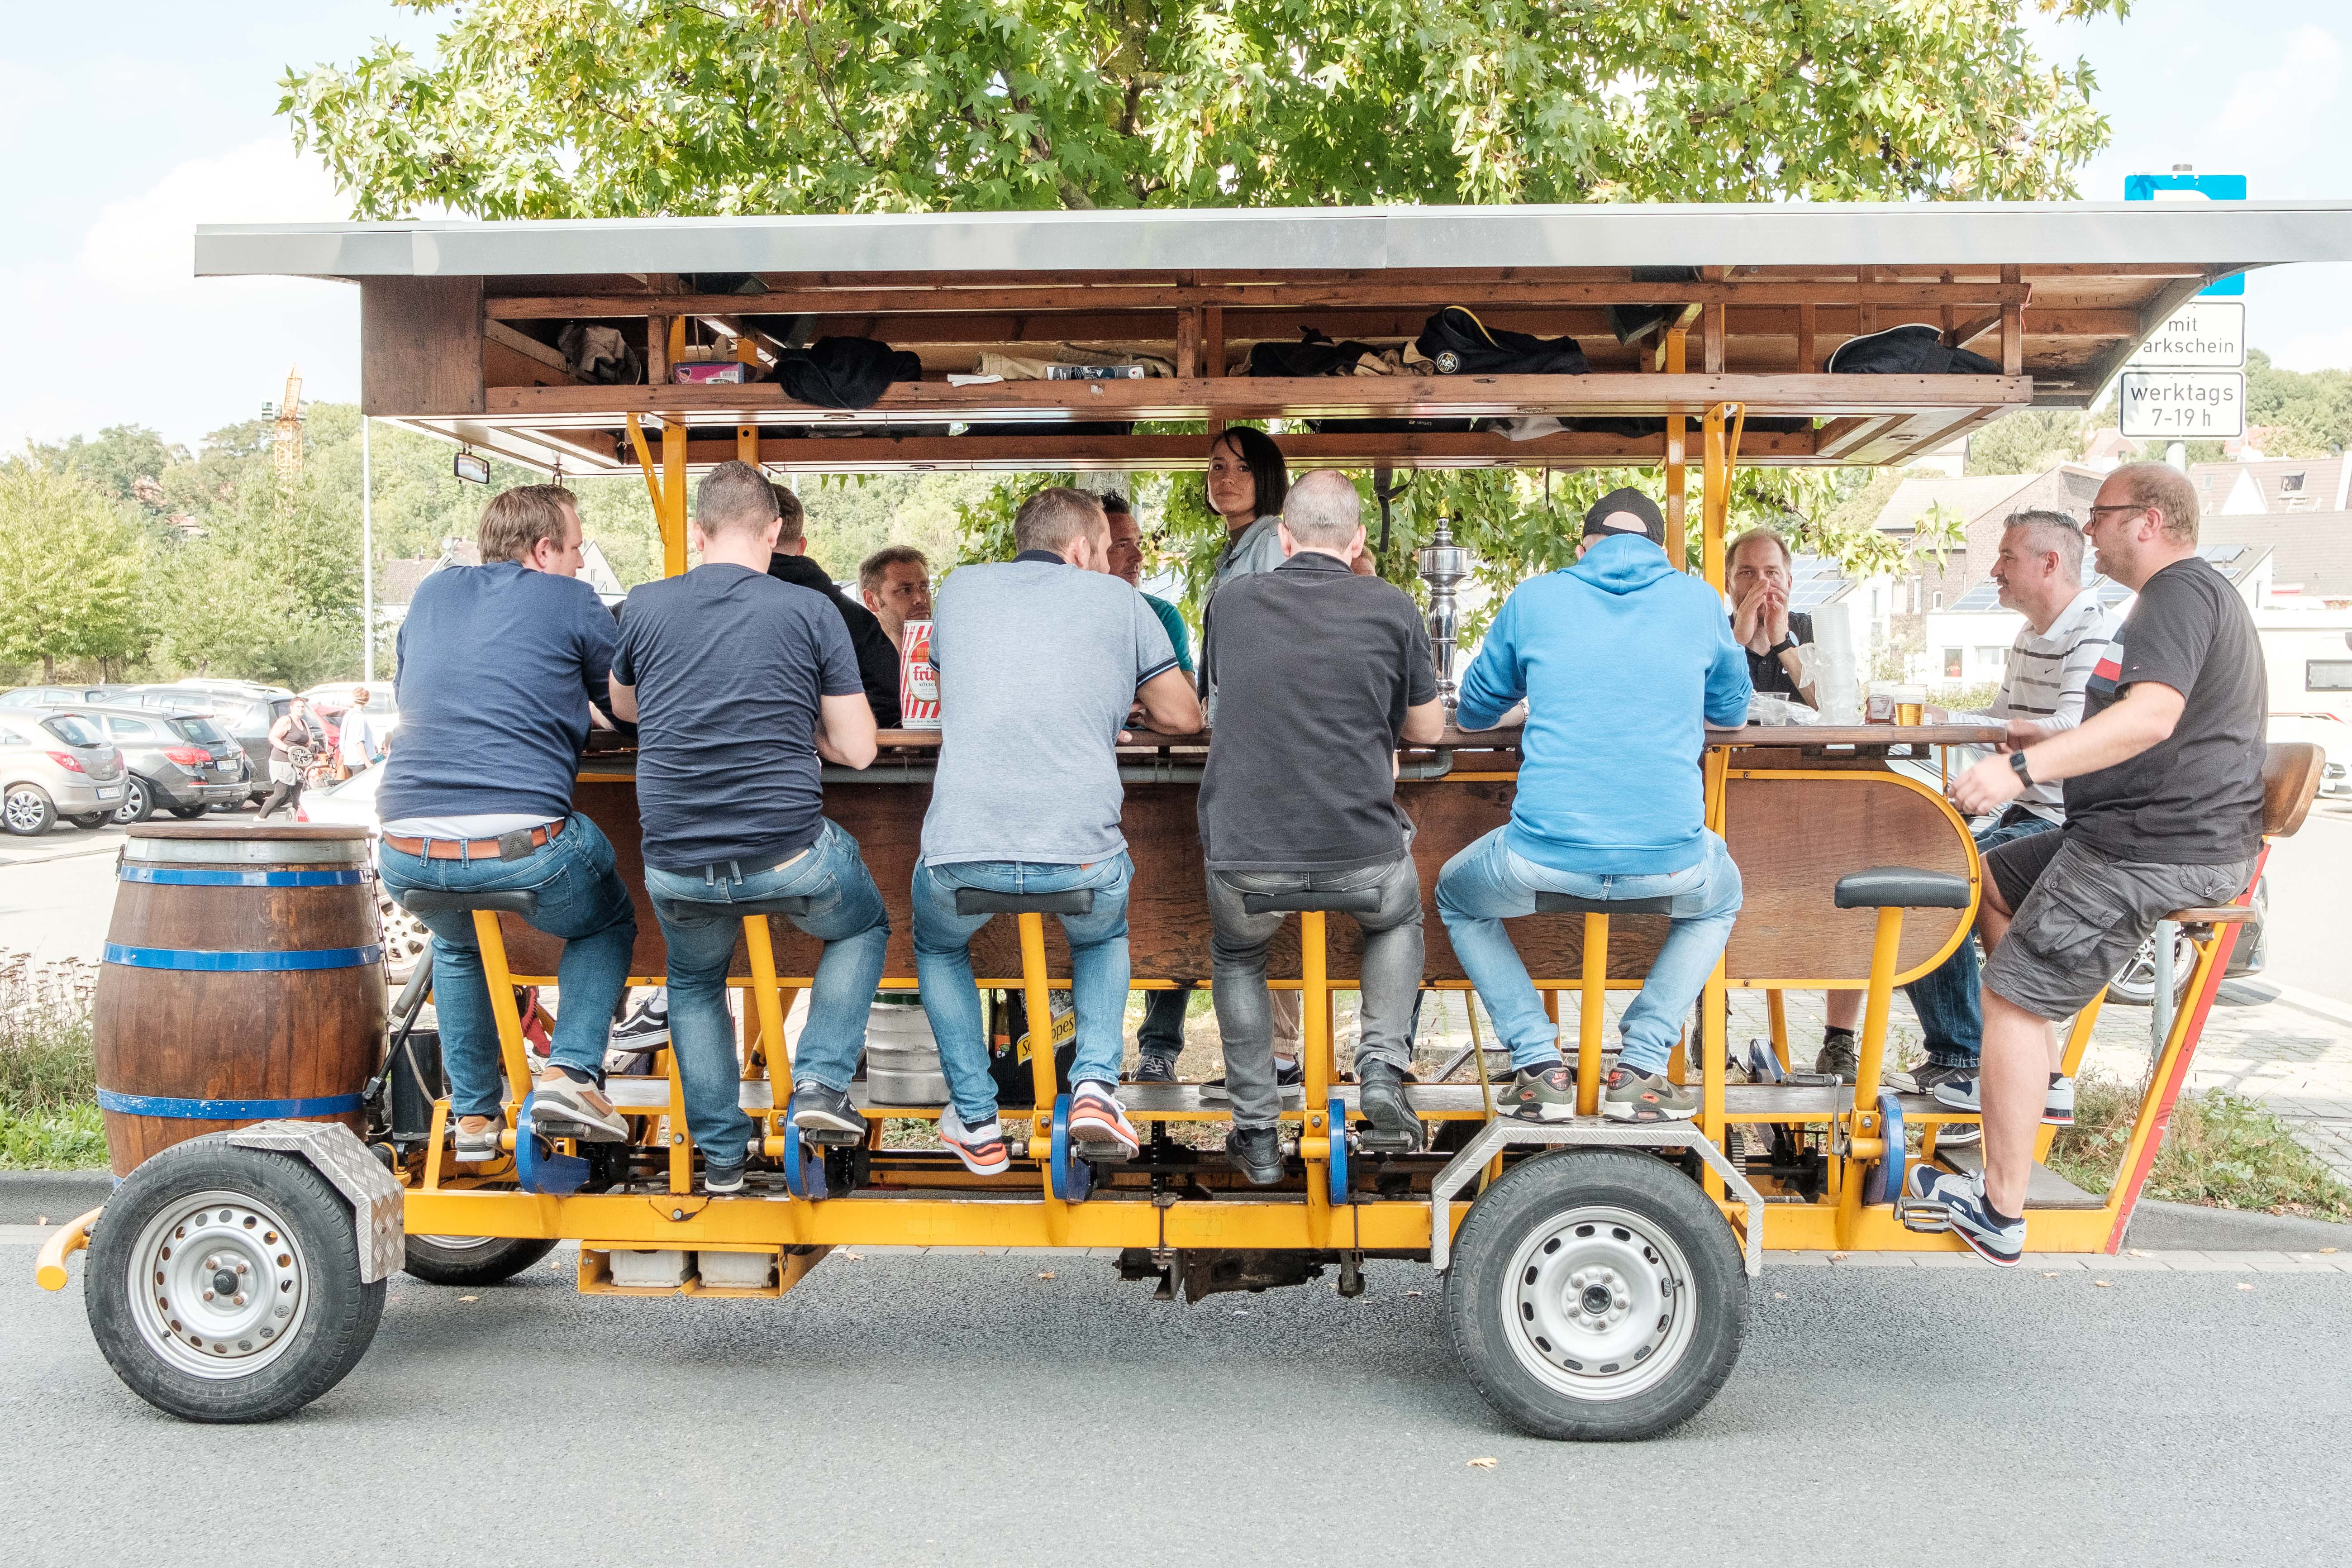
pixel 1381 1093
pixel 825 1116
pixel 720 1181
pixel 1152 1068
pixel 1255 1153
pixel 1838 1057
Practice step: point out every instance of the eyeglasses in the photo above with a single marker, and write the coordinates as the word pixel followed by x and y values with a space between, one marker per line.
pixel 2123 506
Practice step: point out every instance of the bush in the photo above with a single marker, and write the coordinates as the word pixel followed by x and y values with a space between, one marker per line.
pixel 46 1064
pixel 2222 1150
pixel 70 1140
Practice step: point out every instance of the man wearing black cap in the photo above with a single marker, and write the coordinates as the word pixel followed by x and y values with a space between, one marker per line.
pixel 1622 661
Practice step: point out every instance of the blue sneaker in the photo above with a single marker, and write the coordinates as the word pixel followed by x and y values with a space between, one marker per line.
pixel 1964 1207
pixel 2057 1102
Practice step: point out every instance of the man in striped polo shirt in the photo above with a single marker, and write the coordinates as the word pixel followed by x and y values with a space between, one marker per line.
pixel 2040 574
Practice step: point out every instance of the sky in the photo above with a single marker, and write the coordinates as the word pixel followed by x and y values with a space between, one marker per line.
pixel 119 151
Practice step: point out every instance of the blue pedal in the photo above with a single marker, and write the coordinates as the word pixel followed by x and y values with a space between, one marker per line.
pixel 804 1165
pixel 1073 1180
pixel 1884 1183
pixel 550 1174
pixel 1339 1151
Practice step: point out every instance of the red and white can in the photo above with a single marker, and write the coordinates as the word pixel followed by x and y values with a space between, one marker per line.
pixel 918 683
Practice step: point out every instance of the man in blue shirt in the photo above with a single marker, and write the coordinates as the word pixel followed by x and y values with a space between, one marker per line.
pixel 500 665
pixel 739 683
pixel 1622 661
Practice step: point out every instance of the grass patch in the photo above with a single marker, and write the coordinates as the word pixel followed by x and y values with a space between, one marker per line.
pixel 2223 1151
pixel 49 1078
pixel 70 1140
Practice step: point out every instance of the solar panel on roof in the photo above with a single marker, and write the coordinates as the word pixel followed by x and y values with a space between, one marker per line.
pixel 1983 596
pixel 2220 553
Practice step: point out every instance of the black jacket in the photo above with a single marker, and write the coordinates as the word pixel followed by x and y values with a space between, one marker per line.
pixel 877 657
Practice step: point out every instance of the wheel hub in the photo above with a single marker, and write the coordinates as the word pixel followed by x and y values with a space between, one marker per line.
pixel 219 1285
pixel 1598 1301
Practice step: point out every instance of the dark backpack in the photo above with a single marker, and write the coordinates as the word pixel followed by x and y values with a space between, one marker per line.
pixel 1314 354
pixel 1631 323
pixel 1459 344
pixel 1917 349
pixel 844 373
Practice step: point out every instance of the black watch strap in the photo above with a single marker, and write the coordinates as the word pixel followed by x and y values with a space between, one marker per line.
pixel 2017 766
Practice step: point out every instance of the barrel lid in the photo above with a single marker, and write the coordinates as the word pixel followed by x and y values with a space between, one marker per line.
pixel 266 832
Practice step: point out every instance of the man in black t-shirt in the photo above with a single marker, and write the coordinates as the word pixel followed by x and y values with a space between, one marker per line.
pixel 2164 811
pixel 1320 674
pixel 739 684
pixel 878 656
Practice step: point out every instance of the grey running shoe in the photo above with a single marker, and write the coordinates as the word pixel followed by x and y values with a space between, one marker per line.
pixel 1928 1076
pixel 2057 1102
pixel 1539 1094
pixel 1629 1094
pixel 1151 1067
pixel 825 1116
pixel 563 1109
pixel 1256 1154
pixel 1838 1056
pixel 1971 1218
pixel 473 1148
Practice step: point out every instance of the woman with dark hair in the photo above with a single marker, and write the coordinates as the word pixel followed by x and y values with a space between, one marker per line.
pixel 1247 484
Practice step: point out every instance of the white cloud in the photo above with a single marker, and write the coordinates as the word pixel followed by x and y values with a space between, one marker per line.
pixel 2263 103
pixel 145 244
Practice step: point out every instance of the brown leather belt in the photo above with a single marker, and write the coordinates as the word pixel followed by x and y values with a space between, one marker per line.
pixel 470 849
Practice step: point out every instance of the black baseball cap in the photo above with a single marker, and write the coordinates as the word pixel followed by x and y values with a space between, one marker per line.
pixel 1627 511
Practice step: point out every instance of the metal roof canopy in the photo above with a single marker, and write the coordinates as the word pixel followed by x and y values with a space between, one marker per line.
pixel 457 318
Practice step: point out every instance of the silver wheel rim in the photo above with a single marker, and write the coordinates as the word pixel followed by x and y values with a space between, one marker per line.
pixel 218 1285
pixel 134 801
pixel 24 811
pixel 461 1243
pixel 1598 1303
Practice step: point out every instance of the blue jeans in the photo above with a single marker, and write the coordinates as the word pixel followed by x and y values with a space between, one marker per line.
pixel 847 917
pixel 1486 884
pixel 1951 1011
pixel 581 899
pixel 951 997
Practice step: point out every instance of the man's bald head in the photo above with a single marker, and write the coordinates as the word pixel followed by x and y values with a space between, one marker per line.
pixel 1323 510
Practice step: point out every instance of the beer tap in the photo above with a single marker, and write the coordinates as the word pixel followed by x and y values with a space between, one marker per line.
pixel 1442 565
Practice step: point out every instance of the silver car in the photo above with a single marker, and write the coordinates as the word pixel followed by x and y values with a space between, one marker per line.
pixel 54 765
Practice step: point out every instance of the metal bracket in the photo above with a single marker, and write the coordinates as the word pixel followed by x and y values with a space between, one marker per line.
pixel 1587 1133
pixel 378 1206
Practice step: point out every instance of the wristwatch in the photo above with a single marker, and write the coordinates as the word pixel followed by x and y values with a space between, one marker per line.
pixel 1785 645
pixel 2017 766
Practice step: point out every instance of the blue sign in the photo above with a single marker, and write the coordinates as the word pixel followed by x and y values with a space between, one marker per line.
pixel 2210 187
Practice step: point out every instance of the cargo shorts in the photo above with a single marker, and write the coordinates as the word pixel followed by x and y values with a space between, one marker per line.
pixel 2080 913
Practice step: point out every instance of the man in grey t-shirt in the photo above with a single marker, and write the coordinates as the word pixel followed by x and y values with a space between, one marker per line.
pixel 1040 660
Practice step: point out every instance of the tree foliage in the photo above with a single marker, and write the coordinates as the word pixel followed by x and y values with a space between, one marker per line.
pixel 2029 441
pixel 70 570
pixel 607 108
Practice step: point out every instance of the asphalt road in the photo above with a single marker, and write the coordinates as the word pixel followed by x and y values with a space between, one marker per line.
pixel 967 1410
pixel 2310 896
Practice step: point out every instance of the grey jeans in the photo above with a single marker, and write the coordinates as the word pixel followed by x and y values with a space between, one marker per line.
pixel 1391 973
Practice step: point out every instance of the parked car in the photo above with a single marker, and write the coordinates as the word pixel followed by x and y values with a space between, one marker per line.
pixel 242 717
pixel 330 700
pixel 53 765
pixel 180 763
pixel 60 696
pixel 352 803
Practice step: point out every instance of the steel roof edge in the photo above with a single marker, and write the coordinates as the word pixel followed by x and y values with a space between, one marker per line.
pixel 1367 238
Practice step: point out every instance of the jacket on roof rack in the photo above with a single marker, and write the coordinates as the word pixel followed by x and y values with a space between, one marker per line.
pixel 1458 344
pixel 1916 349
pixel 844 373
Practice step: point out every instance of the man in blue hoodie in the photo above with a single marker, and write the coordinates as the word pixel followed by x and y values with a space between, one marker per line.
pixel 1623 662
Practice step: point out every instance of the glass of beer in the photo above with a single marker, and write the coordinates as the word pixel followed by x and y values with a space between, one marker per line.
pixel 1908 702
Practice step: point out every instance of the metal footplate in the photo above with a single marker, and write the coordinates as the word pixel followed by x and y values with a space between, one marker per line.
pixel 1594 1133
pixel 1925 1216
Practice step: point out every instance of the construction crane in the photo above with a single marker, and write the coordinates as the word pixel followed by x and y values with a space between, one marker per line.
pixel 286 446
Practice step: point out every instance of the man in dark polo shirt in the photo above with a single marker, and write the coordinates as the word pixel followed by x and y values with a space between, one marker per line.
pixel 1757 572
pixel 500 665
pixel 2164 811
pixel 739 684
pixel 878 656
pixel 1320 675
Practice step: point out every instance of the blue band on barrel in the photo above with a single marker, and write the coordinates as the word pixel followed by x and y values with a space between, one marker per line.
pixel 191 877
pixel 226 1110
pixel 243 962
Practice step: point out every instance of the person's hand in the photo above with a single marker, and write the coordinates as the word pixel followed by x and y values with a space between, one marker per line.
pixel 1987 787
pixel 1776 616
pixel 1746 615
pixel 2021 734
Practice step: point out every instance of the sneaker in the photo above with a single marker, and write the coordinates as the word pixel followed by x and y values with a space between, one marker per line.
pixel 1380 1094
pixel 1971 1220
pixel 1098 1124
pixel 644 1025
pixel 563 1107
pixel 2057 1102
pixel 719 1180
pixel 1539 1094
pixel 473 1148
pixel 1838 1055
pixel 981 1148
pixel 1151 1067
pixel 825 1116
pixel 1289 1081
pixel 1927 1077
pixel 1256 1154
pixel 1628 1094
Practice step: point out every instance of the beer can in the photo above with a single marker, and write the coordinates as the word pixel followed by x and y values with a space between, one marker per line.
pixel 918 683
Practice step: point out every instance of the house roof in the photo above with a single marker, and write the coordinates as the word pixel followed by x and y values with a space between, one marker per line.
pixel 2272 484
pixel 2311 551
pixel 1976 496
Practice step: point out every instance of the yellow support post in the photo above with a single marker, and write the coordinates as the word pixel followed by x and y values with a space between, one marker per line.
pixel 1677 479
pixel 1040 1006
pixel 681 1153
pixel 673 518
pixel 1776 1012
pixel 501 980
pixel 1590 1014
pixel 1714 1005
pixel 1720 455
pixel 1867 1136
pixel 1316 1130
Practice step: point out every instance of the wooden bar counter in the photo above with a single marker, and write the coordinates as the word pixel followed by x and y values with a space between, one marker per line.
pixel 1801 808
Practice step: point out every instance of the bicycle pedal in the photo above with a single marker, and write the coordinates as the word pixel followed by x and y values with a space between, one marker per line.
pixel 1925 1216
pixel 579 1133
pixel 830 1137
pixel 1386 1143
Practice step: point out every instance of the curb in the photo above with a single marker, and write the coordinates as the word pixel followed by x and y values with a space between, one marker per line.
pixel 2189 1228
pixel 27 1195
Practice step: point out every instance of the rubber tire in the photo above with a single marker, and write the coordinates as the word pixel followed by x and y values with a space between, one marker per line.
pixel 1527 1197
pixel 189 813
pixel 340 1315
pixel 498 1258
pixel 90 822
pixel 138 802
pixel 49 817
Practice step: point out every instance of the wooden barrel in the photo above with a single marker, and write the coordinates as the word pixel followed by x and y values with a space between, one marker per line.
pixel 243 982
